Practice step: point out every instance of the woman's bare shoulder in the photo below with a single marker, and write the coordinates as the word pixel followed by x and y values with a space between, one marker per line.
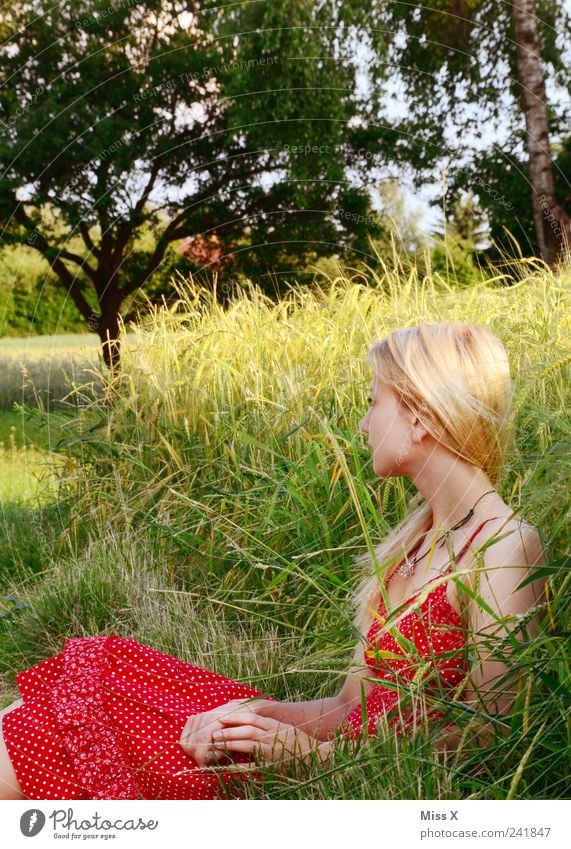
pixel 514 550
pixel 511 537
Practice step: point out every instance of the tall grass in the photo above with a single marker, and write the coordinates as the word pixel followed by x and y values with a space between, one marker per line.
pixel 51 372
pixel 215 509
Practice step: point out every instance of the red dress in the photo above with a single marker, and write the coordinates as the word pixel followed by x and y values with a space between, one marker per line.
pixel 102 719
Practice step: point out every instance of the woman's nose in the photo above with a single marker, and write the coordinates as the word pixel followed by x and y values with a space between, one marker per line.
pixel 363 424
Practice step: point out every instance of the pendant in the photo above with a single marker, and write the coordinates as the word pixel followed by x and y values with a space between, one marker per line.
pixel 407 568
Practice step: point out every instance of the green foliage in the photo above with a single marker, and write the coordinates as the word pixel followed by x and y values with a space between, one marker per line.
pixel 33 301
pixel 449 256
pixel 214 511
pixel 457 53
pixel 27 534
pixel 103 123
pixel 501 181
pixel 458 63
pixel 452 258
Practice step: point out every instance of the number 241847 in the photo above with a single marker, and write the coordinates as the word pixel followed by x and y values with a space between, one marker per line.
pixel 529 832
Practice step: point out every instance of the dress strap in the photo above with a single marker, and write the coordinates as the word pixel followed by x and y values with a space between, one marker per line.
pixel 475 534
pixel 461 554
pixel 464 548
pixel 449 567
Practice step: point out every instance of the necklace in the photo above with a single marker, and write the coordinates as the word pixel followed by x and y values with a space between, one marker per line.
pixel 408 568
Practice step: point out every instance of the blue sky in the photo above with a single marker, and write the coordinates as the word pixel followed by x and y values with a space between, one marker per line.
pixel 490 133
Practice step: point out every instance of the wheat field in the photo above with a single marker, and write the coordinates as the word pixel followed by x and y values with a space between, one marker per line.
pixel 215 508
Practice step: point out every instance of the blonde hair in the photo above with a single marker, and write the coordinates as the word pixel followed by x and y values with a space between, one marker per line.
pixel 456 378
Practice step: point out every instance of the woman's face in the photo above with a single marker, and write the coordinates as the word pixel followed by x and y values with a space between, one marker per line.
pixel 388 425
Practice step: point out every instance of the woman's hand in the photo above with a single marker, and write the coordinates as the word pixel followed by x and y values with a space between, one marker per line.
pixel 196 738
pixel 264 739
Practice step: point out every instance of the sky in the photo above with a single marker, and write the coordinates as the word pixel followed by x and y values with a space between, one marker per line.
pixel 419 200
pixel 429 217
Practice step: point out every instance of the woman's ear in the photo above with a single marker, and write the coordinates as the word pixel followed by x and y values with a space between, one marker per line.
pixel 418 431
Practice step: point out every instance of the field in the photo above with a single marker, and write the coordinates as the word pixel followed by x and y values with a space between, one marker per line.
pixel 216 510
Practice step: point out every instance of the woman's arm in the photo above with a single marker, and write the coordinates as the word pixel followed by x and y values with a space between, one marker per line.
pixel 320 718
pixel 506 565
pixel 266 740
pixel 316 720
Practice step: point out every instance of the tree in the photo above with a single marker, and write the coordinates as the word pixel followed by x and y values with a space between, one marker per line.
pixel 404 222
pixel 552 225
pixel 504 196
pixel 457 250
pixel 469 222
pixel 465 62
pixel 186 118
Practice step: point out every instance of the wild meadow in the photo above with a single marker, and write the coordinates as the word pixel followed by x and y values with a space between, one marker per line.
pixel 211 501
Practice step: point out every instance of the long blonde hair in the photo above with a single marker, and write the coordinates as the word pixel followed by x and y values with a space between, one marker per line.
pixel 456 378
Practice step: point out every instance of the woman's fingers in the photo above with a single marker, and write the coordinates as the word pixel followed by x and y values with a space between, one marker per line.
pixel 196 738
pixel 238 732
pixel 232 727
pixel 265 733
pixel 244 746
pixel 249 739
pixel 214 755
pixel 248 718
pixel 203 723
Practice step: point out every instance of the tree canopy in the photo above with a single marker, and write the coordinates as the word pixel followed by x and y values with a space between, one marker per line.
pixel 193 119
pixel 252 133
pixel 475 65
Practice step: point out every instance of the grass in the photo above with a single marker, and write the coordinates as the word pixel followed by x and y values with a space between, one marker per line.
pixel 42 371
pixel 215 511
pixel 26 468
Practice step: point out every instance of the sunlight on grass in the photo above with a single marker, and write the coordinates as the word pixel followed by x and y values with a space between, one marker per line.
pixel 43 370
pixel 27 473
pixel 215 510
pixel 26 476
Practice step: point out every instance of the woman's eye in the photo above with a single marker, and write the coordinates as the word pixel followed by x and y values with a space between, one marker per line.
pixel 370 400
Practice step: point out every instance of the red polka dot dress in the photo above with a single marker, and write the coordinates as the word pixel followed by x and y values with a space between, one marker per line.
pixel 427 644
pixel 102 719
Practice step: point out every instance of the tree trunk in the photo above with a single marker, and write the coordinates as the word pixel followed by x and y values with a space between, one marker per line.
pixel 108 329
pixel 552 225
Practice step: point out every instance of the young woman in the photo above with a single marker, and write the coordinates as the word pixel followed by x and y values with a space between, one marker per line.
pixel 109 718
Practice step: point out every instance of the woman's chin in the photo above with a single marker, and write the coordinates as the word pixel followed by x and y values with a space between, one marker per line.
pixel 382 471
pixel 388 470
